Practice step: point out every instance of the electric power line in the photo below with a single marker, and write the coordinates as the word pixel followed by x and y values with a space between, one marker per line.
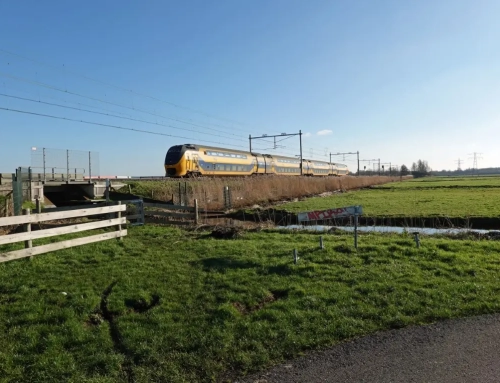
pixel 114 126
pixel 118 87
pixel 115 116
pixel 48 86
pixel 108 125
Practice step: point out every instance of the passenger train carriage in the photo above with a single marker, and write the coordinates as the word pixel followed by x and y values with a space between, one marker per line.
pixel 198 160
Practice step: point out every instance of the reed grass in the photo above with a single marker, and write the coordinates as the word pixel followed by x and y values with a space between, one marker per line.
pixel 252 191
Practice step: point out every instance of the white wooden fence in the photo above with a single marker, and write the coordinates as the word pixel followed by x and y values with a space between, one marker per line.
pixel 28 236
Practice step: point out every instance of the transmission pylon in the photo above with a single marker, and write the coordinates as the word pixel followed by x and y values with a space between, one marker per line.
pixel 475 156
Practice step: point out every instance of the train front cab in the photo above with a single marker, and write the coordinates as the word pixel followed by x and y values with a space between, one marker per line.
pixel 174 164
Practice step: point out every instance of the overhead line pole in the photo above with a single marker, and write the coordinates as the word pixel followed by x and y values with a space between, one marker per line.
pixel 342 154
pixel 250 138
pixel 386 163
pixel 372 160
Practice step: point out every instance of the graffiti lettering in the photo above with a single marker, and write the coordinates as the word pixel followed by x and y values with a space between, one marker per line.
pixel 330 213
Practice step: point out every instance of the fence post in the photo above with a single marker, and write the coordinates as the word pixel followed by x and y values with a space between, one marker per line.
pixel 38 206
pixel 227 197
pixel 27 228
pixel 417 239
pixel 107 190
pixel 196 216
pixel 321 246
pixel 180 196
pixel 295 256
pixel 356 231
pixel 119 215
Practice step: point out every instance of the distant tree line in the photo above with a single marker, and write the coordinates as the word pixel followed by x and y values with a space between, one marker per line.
pixel 422 169
pixel 418 169
pixel 466 172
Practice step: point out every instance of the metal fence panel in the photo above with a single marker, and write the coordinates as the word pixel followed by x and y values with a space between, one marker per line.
pixel 62 164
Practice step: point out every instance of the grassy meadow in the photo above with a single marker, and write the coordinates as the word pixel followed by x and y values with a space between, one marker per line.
pixel 424 197
pixel 181 306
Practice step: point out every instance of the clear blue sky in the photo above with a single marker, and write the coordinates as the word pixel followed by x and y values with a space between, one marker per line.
pixel 399 80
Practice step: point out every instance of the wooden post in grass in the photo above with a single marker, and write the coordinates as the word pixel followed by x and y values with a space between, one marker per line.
pixel 295 256
pixel 321 246
pixel 27 228
pixel 417 239
pixel 356 231
pixel 196 216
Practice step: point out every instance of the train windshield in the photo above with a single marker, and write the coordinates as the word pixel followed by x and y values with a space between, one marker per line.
pixel 174 154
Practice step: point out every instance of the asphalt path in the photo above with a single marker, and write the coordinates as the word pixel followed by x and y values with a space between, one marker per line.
pixel 459 350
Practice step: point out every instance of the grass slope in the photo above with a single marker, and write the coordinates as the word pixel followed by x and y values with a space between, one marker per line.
pixel 438 197
pixel 168 305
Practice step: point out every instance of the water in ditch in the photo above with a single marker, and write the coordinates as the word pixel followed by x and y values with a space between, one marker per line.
pixel 389 229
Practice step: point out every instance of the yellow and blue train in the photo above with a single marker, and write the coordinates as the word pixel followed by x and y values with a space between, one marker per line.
pixel 197 160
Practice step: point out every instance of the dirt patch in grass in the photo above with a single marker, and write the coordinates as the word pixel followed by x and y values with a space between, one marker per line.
pixel 273 296
pixel 226 232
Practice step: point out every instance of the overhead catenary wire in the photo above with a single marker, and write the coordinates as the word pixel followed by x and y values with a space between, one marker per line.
pixel 131 118
pixel 108 125
pixel 113 126
pixel 48 86
pixel 189 122
pixel 66 71
pixel 115 116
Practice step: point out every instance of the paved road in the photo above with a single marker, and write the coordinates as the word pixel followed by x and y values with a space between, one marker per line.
pixel 463 350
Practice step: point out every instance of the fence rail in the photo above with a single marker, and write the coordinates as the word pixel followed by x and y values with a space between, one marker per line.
pixel 28 236
pixel 188 214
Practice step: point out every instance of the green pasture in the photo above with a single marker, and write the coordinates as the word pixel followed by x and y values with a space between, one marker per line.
pixel 432 197
pixel 166 305
pixel 446 182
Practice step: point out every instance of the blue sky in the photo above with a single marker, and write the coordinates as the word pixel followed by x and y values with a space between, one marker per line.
pixel 396 80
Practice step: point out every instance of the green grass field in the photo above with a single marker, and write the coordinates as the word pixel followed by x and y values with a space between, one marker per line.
pixel 425 197
pixel 167 305
pixel 447 182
